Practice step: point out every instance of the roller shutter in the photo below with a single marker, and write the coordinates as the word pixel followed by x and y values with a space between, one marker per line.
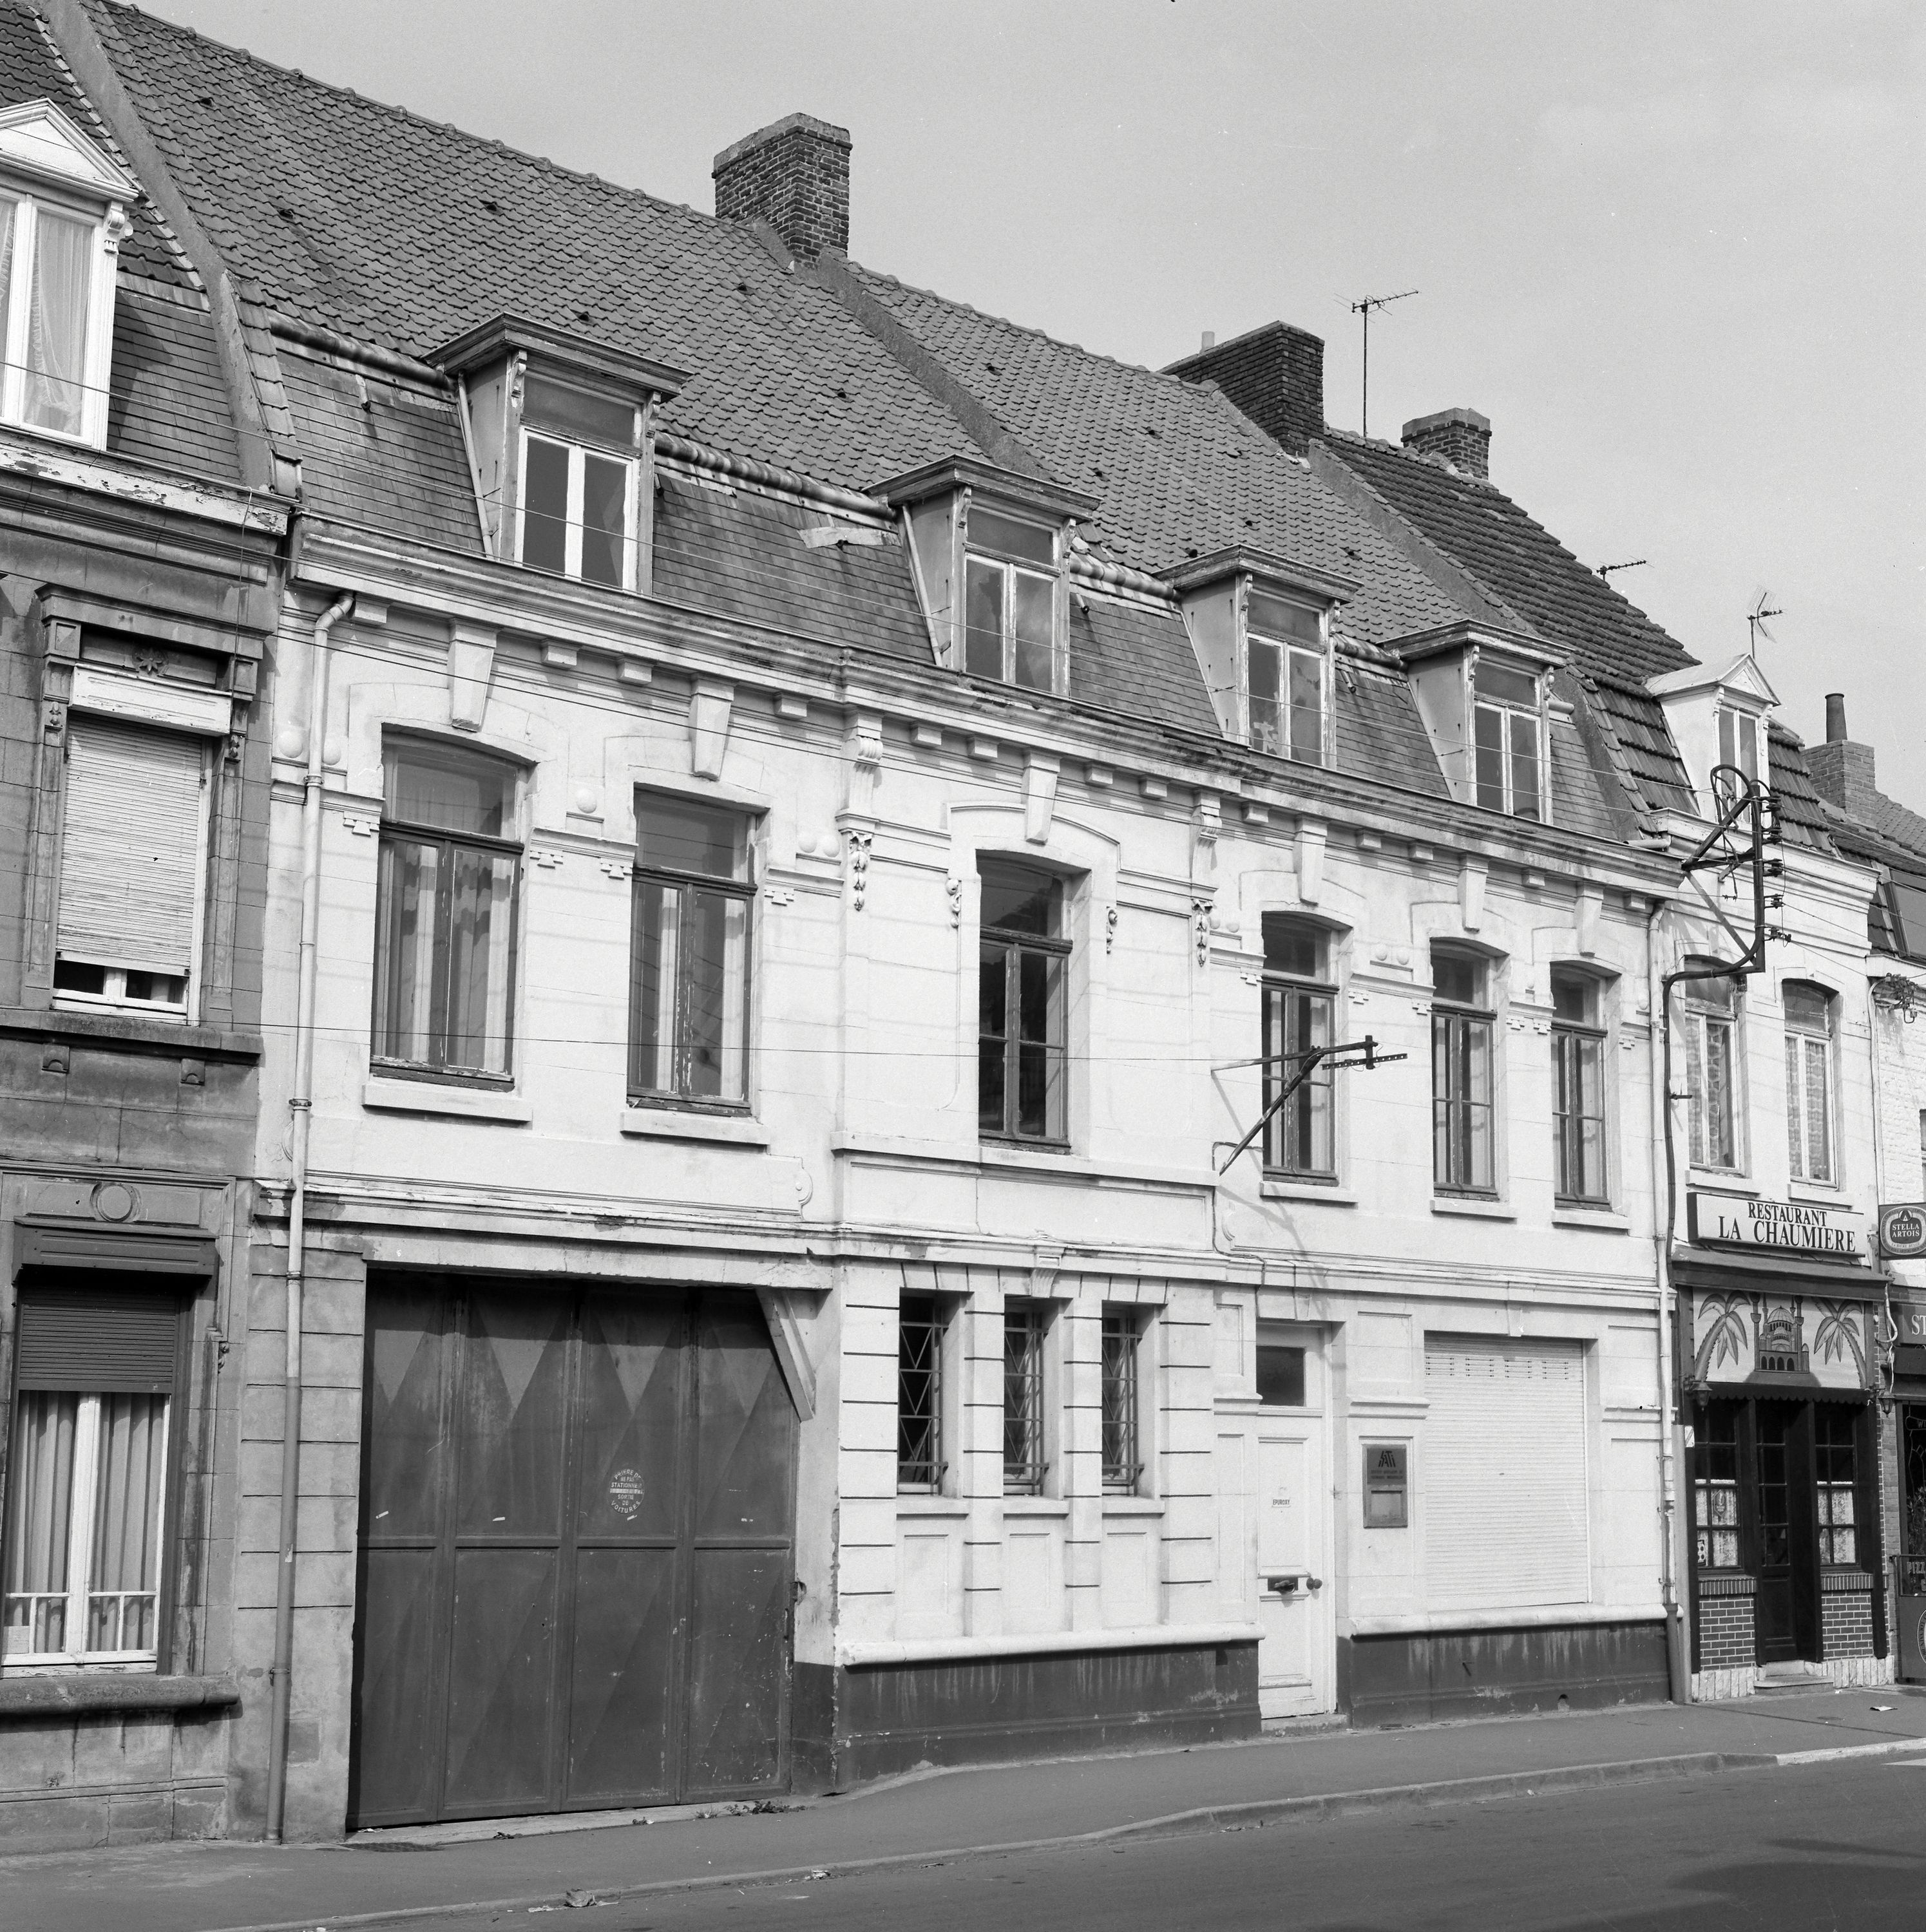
pixel 1503 1473
pixel 98 1340
pixel 130 859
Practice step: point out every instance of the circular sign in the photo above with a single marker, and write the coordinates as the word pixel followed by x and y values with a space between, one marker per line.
pixel 625 1494
pixel 1902 1231
pixel 1921 1634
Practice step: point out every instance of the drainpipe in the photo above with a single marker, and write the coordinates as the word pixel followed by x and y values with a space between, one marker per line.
pixel 300 1107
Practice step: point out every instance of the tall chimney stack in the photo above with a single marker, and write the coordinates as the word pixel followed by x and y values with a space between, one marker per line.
pixel 1459 439
pixel 1842 772
pixel 794 174
pixel 1275 374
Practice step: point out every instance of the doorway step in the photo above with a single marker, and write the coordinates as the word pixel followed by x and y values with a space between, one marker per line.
pixel 1780 1679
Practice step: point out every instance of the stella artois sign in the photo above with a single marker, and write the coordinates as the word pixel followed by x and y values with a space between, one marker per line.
pixel 1801 1227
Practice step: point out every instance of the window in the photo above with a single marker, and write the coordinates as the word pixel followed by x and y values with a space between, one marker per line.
pixel 1010 600
pixel 444 944
pixel 1505 739
pixel 1285 643
pixel 1461 1075
pixel 1298 999
pixel 1024 1467
pixel 1021 1000
pixel 920 1465
pixel 47 289
pixel 1715 1453
pixel 133 858
pixel 1899 915
pixel 1809 1081
pixel 1710 1033
pixel 1738 743
pixel 1122 1462
pixel 577 482
pixel 1578 1075
pixel 689 1018
pixel 1833 1431
pixel 1280 1376
pixel 87 1477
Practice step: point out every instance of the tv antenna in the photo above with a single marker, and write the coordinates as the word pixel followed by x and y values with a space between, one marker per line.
pixel 1756 621
pixel 1363 308
pixel 1605 570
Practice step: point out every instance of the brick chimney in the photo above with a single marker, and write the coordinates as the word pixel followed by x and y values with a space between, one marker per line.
pixel 1275 374
pixel 795 174
pixel 1459 439
pixel 1842 772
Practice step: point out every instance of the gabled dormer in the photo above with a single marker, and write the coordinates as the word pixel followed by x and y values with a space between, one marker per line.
pixel 989 546
pixel 1485 697
pixel 64 204
pixel 560 431
pixel 1717 718
pixel 1261 628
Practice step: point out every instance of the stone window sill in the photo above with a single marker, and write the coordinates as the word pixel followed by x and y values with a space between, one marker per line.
pixel 671 1124
pixel 952 1507
pixel 128 1032
pixel 1043 1506
pixel 460 1103
pixel 1477 1210
pixel 85 1691
pixel 1133 1505
pixel 1605 1220
pixel 1278 1187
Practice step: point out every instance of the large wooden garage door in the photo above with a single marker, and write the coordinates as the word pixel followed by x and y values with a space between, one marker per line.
pixel 1506 1496
pixel 575 1551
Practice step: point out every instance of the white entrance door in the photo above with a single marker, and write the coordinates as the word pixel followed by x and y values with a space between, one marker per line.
pixel 1291 1503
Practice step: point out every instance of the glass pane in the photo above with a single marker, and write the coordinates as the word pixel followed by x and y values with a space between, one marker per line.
pixel 1038 977
pixel 1911 902
pixel 1488 740
pixel 919 1393
pixel 677 835
pixel 448 789
pixel 1117 1401
pixel 1033 600
pixel 545 505
pixel 1023 1398
pixel 1277 617
pixel 547 404
pixel 1525 799
pixel 408 876
pixel 1718 1101
pixel 1265 673
pixel 1573 998
pixel 125 1577
pixel 1016 899
pixel 57 323
pixel 1307 708
pixel 1819 1110
pixel 1506 687
pixel 990 530
pixel 993 1016
pixel 657 950
pixel 40 1506
pixel 605 520
pixel 481 960
pixel 715 969
pixel 1292 946
pixel 1457 978
pixel 9 220
pixel 1725 1549
pixel 982 618
pixel 992 1080
pixel 1280 1376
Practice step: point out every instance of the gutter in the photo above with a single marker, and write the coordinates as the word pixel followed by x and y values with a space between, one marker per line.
pixel 301 1104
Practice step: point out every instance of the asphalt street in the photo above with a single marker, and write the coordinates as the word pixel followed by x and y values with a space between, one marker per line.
pixel 1839 1846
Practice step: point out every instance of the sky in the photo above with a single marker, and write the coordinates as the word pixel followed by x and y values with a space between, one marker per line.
pixel 1672 248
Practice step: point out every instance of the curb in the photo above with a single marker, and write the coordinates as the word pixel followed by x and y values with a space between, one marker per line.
pixel 1892 1749
pixel 1174 1824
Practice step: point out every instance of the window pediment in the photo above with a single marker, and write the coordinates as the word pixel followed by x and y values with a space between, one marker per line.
pixel 39 142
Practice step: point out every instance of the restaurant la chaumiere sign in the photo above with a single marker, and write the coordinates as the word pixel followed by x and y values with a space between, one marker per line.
pixel 1776 1227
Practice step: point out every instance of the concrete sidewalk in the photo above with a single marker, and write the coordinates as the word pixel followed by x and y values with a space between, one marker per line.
pixel 223 1888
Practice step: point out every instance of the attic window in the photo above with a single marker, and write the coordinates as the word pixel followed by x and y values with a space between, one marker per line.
pixel 1010 600
pixel 1289 677
pixel 1738 743
pixel 1507 733
pixel 577 482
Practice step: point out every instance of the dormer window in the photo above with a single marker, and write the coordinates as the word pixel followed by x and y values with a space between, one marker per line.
pixel 1011 627
pixel 560 432
pixel 1717 718
pixel 1739 748
pixel 1285 658
pixel 1506 726
pixel 62 213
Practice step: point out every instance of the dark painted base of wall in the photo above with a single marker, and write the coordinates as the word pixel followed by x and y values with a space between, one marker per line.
pixel 1426 1677
pixel 849 1726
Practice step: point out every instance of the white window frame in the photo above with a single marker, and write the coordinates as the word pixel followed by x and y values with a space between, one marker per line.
pixel 1801 1038
pixel 113 997
pixel 1743 729
pixel 1696 1020
pixel 578 454
pixel 80 1548
pixel 1288 648
pixel 1506 710
pixel 975 550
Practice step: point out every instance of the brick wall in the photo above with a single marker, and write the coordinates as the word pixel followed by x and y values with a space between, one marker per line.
pixel 1847 1626
pixel 1460 437
pixel 1725 1633
pixel 1275 374
pixel 795 175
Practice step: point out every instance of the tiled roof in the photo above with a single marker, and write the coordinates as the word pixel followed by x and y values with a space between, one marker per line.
pixel 1379 733
pixel 1483 530
pixel 1637 720
pixel 167 402
pixel 1802 813
pixel 401 233
pixel 1179 473
pixel 1128 657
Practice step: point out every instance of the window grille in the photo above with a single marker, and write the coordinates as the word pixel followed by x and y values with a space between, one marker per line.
pixel 1715 1488
pixel 1123 1464
pixel 1021 1005
pixel 1023 1465
pixel 1462 1123
pixel 1578 1067
pixel 919 1395
pixel 689 1003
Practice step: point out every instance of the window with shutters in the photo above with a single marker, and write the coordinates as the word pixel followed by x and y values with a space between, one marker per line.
pixel 445 917
pixel 1578 1087
pixel 134 817
pixel 1463 1113
pixel 1809 1081
pixel 1708 1028
pixel 87 1480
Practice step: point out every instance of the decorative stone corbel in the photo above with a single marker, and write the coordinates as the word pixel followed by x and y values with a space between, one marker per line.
pixel 1471 894
pixel 1110 928
pixel 1201 922
pixel 709 704
pixel 865 748
pixel 860 840
pixel 1206 823
pixel 1310 861
pixel 1040 774
pixel 1592 904
pixel 471 666
pixel 953 886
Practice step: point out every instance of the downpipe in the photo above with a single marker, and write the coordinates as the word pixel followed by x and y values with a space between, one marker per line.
pixel 301 1109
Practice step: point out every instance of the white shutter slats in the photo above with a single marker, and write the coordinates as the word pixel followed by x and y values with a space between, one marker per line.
pixel 1505 1490
pixel 130 844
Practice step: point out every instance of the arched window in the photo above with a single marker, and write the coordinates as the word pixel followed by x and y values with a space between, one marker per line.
pixel 1578 1073
pixel 1809 1081
pixel 1709 1029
